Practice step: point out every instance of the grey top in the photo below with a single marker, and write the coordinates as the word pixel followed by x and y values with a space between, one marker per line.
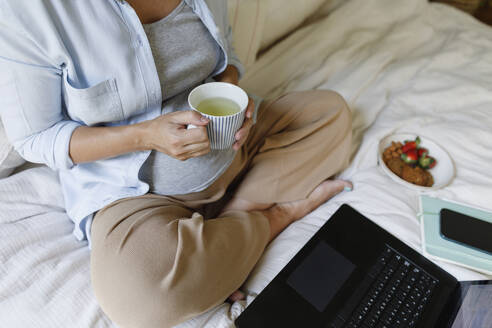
pixel 185 54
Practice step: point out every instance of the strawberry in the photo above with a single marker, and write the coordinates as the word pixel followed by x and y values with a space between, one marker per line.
pixel 410 157
pixel 410 145
pixel 433 162
pixel 423 152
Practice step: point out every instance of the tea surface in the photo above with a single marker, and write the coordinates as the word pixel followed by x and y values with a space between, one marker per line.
pixel 218 106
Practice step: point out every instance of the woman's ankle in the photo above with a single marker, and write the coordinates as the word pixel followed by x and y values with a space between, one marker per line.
pixel 281 215
pixel 278 218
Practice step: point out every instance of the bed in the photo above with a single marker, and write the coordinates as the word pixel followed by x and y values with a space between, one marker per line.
pixel 401 65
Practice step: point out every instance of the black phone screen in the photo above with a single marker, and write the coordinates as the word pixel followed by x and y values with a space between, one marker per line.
pixel 466 230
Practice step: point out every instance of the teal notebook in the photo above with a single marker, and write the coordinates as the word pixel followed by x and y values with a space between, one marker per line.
pixel 435 246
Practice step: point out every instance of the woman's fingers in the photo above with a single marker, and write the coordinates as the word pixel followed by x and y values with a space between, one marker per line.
pixel 244 130
pixel 195 135
pixel 242 134
pixel 170 134
pixel 198 150
pixel 190 151
pixel 251 108
pixel 188 117
pixel 195 147
pixel 194 143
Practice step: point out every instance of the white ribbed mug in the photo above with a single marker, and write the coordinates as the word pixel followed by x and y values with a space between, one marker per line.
pixel 220 129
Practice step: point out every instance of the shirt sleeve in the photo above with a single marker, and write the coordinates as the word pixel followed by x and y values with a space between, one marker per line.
pixel 31 101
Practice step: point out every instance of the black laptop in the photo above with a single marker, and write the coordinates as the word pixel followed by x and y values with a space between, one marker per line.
pixel 352 273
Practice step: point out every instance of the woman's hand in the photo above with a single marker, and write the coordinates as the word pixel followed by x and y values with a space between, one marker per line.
pixel 243 132
pixel 169 134
pixel 230 75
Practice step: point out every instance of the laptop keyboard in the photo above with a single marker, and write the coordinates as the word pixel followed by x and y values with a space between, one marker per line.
pixel 393 294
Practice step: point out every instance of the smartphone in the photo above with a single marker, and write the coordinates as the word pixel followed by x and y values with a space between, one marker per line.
pixel 466 230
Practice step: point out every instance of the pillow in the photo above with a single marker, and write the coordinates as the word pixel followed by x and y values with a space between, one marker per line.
pixel 283 16
pixel 9 158
pixel 247 18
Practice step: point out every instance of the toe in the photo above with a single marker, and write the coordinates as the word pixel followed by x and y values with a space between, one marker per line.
pixel 346 185
pixel 237 296
pixel 334 187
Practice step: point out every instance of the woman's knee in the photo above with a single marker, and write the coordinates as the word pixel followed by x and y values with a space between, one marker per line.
pixel 151 269
pixel 345 113
pixel 136 287
pixel 331 112
pixel 324 101
pixel 329 107
pixel 139 298
pixel 333 101
pixel 131 295
pixel 335 109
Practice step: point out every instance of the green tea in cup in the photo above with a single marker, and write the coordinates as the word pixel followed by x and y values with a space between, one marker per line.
pixel 224 104
pixel 218 106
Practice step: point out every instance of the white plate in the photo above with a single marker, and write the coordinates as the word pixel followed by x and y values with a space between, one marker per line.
pixel 443 172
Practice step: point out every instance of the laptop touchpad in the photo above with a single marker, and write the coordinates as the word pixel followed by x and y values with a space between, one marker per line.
pixel 320 275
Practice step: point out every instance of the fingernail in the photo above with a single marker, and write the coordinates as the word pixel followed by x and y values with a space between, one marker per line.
pixel 204 119
pixel 347 188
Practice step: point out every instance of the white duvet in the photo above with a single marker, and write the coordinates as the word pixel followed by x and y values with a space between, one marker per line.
pixel 402 65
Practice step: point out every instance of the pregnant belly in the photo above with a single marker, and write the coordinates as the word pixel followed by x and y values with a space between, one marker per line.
pixel 169 176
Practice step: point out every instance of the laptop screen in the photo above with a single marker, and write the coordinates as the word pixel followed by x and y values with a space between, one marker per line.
pixel 320 275
pixel 476 309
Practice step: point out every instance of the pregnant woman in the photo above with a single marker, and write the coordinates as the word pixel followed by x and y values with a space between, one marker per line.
pixel 97 90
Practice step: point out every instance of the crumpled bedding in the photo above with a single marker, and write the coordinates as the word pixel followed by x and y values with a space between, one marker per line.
pixel 402 66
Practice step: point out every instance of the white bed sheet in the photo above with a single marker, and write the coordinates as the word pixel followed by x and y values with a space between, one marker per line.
pixel 402 66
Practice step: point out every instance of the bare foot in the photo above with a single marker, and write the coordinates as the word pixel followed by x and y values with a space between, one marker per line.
pixel 236 296
pixel 324 191
pixel 331 187
pixel 283 214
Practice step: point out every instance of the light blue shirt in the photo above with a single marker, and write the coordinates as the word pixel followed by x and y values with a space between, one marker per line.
pixel 64 64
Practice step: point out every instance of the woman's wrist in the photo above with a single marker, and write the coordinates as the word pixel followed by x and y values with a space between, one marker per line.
pixel 88 144
pixel 140 136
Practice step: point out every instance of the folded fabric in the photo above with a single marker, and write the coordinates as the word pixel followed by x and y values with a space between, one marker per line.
pixel 9 158
pixel 247 18
pixel 283 16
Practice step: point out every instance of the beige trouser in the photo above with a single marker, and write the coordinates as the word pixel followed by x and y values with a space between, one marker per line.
pixel 157 261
